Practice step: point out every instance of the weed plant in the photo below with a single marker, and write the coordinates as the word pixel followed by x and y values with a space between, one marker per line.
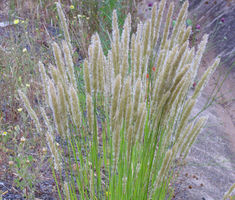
pixel 122 135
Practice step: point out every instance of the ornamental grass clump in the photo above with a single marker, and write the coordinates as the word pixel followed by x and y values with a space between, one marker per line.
pixel 125 131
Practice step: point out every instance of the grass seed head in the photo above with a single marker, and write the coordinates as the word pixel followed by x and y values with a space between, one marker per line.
pixel 75 107
pixel 30 111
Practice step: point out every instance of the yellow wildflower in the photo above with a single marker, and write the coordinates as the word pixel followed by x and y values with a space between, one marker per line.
pixel 19 109
pixel 24 50
pixel 16 21
pixel 4 133
pixel 107 194
pixel 72 7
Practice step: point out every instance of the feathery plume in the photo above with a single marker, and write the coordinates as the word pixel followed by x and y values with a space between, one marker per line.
pixel 69 63
pixel 167 25
pixel 180 19
pixel 138 120
pixel 138 60
pixel 198 57
pixel 94 62
pixel 55 74
pixel 158 22
pixel 50 139
pixel 179 77
pixel 136 99
pixel 162 172
pixel 185 115
pixel 153 24
pixel 29 109
pixel 175 93
pixel 193 135
pixel 54 152
pixel 59 61
pixel 164 75
pixel 101 63
pixel 184 135
pixel 63 108
pixel 64 25
pixel 54 104
pixel 44 79
pixel 146 38
pixel 115 44
pixel 205 78
pixel 115 99
pixel 159 115
pixel 87 77
pixel 190 56
pixel 126 93
pixel 140 125
pixel 186 35
pixel 75 106
pixel 126 35
pixel 133 57
pixel 176 63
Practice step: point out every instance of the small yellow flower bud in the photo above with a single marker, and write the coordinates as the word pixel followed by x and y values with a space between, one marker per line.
pixel 72 7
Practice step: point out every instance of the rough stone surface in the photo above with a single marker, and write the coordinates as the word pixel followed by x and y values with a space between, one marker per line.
pixel 216 17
